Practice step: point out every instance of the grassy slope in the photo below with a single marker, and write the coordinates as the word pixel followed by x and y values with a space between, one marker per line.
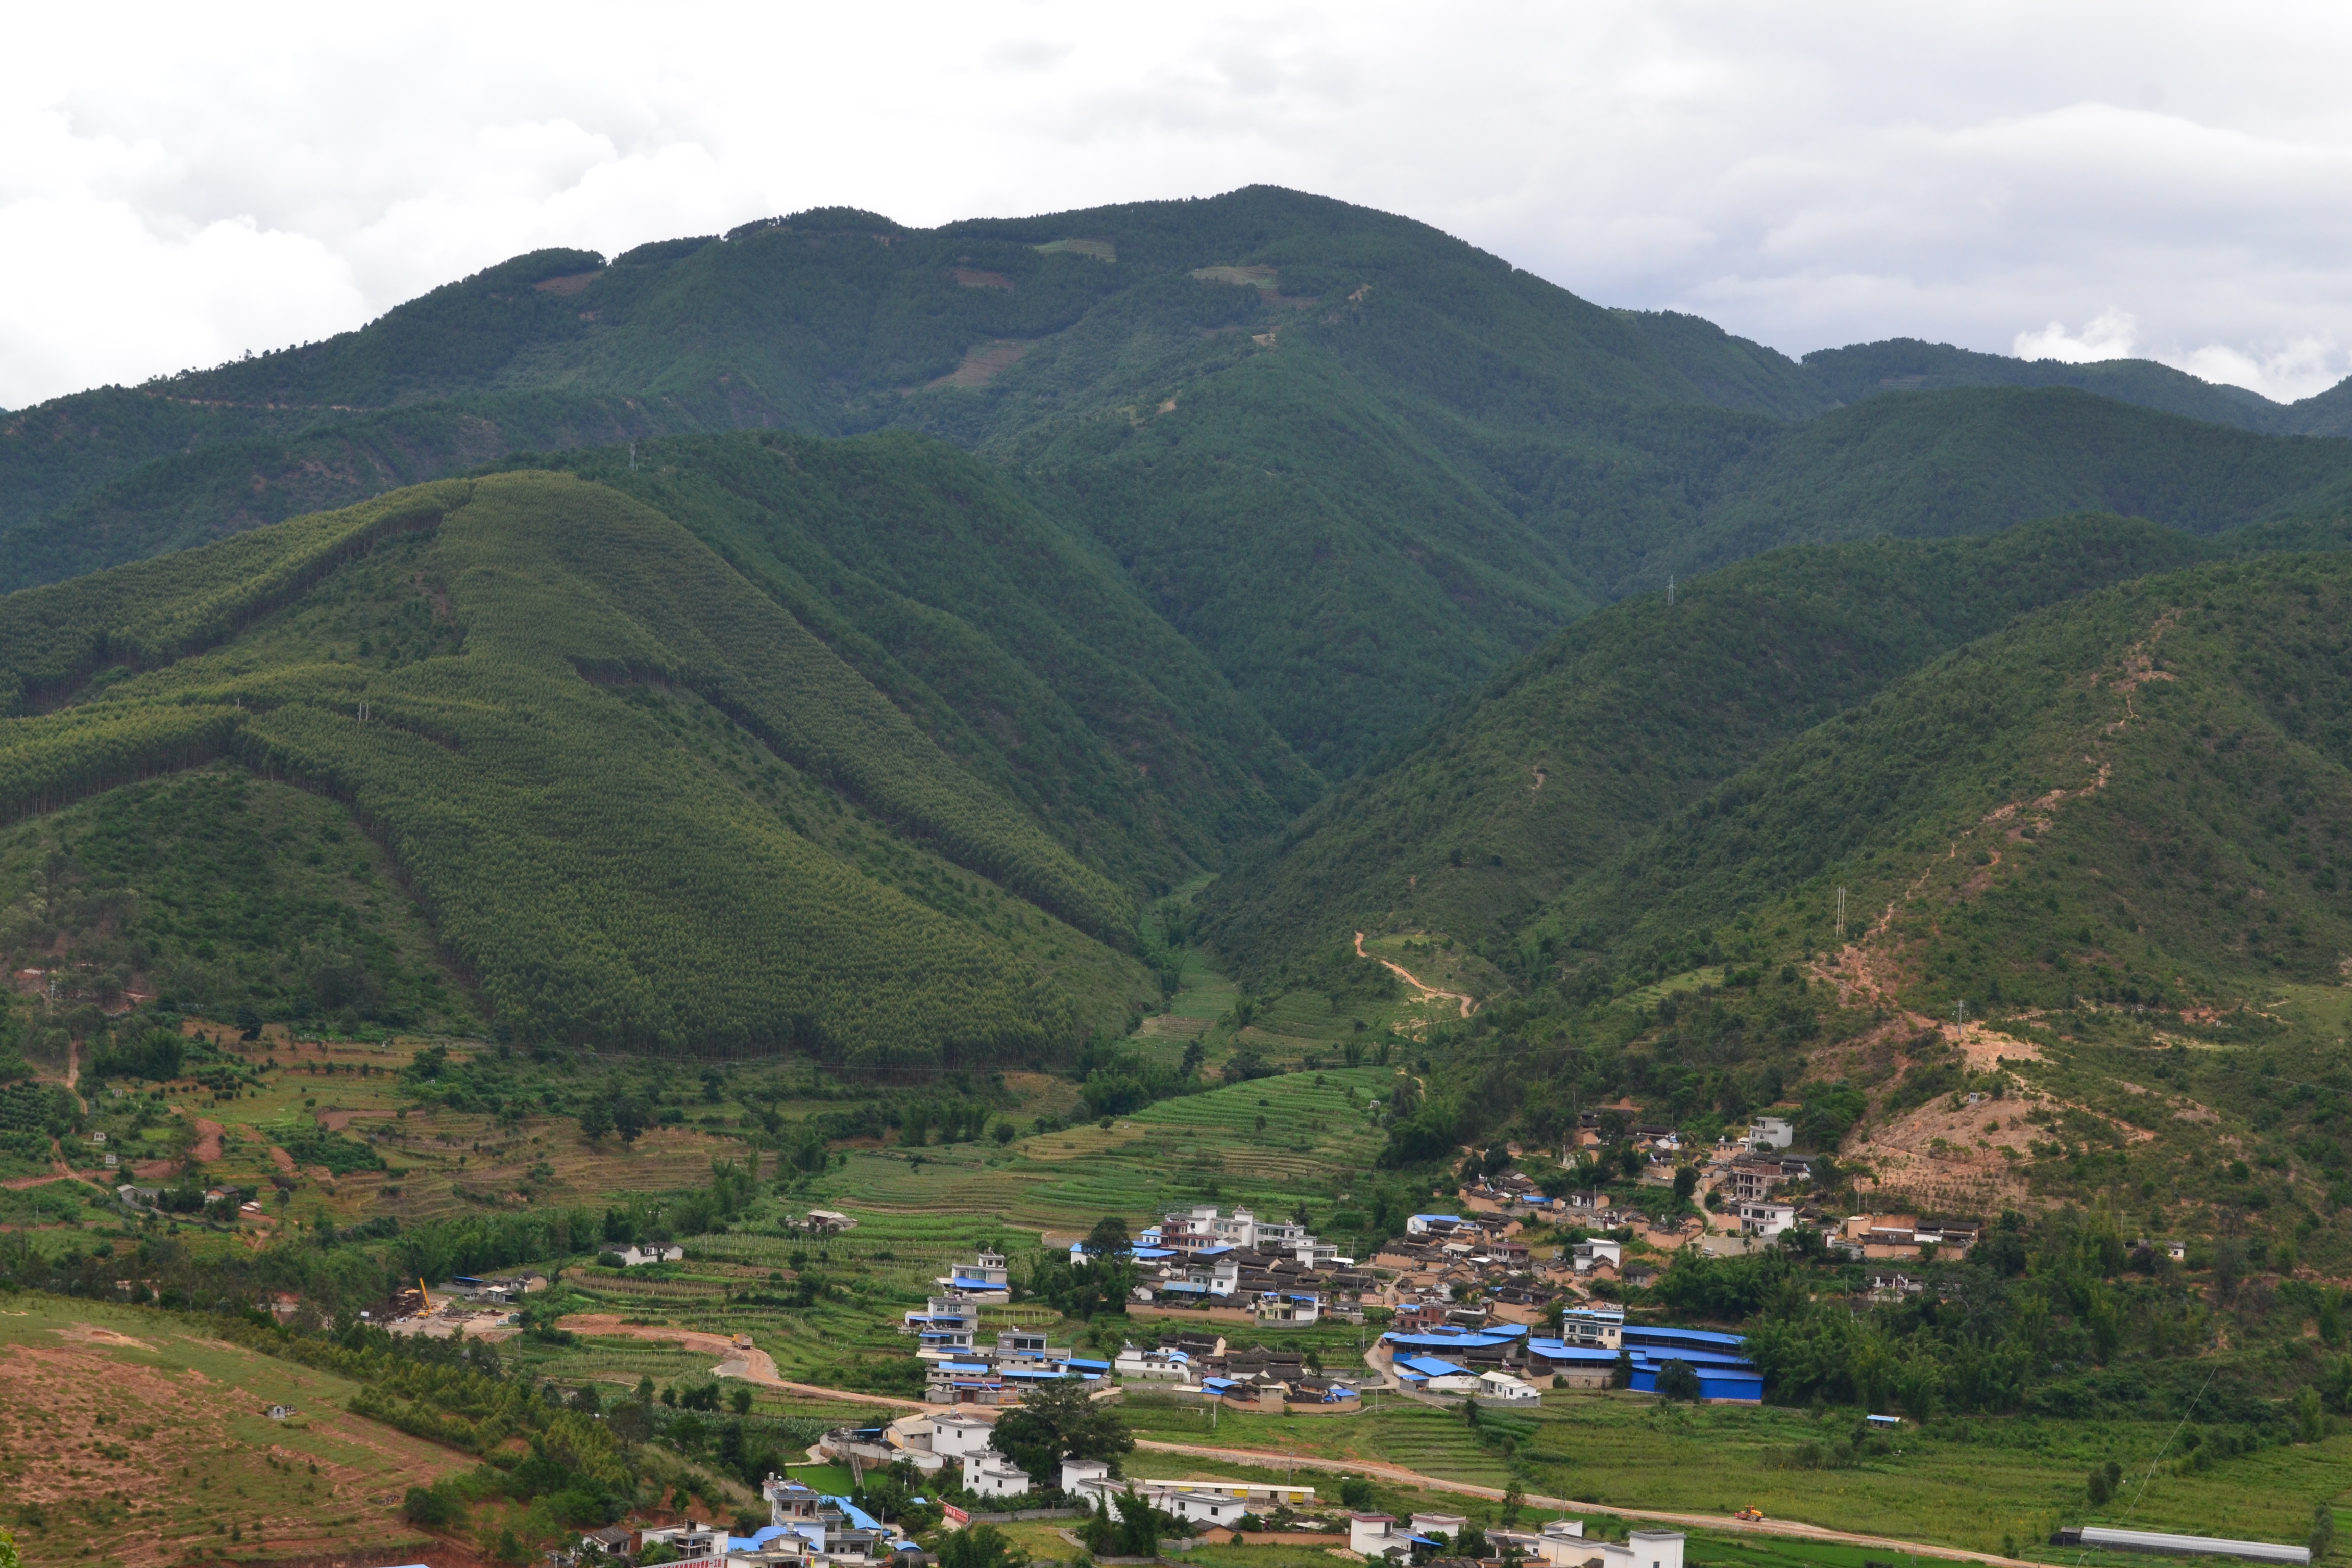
pixel 1633 712
pixel 110 1404
pixel 682 838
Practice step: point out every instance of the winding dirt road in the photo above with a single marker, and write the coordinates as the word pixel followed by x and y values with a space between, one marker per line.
pixel 1275 1459
pixel 735 1360
pixel 1401 973
pixel 757 1367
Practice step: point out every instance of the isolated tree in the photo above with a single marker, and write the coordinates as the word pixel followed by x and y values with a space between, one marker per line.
pixel 1056 1421
pixel 628 1119
pixel 1686 1183
pixel 1678 1380
pixel 595 1119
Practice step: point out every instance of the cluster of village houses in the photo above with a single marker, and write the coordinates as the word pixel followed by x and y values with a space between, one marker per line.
pixel 1469 1303
pixel 809 1529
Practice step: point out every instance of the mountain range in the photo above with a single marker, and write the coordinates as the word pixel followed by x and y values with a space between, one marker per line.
pixel 831 635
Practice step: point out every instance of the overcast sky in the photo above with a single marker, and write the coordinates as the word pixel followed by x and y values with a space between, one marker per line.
pixel 179 185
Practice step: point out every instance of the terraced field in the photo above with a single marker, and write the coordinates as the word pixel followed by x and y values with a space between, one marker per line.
pixel 1419 1437
pixel 1271 1144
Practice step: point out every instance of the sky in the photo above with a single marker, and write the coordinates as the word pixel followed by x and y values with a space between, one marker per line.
pixel 181 186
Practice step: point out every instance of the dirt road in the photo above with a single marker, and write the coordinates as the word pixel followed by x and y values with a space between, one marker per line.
pixel 1275 1460
pixel 735 1360
pixel 757 1367
pixel 1401 973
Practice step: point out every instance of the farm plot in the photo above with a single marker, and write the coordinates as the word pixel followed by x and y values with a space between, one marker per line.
pixel 126 1432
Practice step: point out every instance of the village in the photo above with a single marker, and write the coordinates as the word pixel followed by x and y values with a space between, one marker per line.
pixel 1511 1293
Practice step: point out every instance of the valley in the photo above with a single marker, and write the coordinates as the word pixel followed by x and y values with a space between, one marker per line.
pixel 851 751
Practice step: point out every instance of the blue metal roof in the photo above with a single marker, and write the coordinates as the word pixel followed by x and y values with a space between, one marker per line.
pixel 1656 1334
pixel 857 1516
pixel 1453 1342
pixel 1429 1366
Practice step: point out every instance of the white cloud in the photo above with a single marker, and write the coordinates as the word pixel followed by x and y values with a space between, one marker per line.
pixel 2109 335
pixel 176 187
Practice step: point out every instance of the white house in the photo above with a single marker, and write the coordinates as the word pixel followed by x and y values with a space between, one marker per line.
pixel 1421 1223
pixel 956 1435
pixel 1503 1386
pixel 987 1278
pixel 990 1474
pixel 1076 1473
pixel 1594 1328
pixel 1153 1365
pixel 1272 1306
pixel 1588 1256
pixel 1766 1219
pixel 1559 1544
pixel 1770 1133
pixel 685 1539
pixel 1642 1549
pixel 652 1252
pixel 1374 1535
pixel 1449 1525
pixel 1210 1502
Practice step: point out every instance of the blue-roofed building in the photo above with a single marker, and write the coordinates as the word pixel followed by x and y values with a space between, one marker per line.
pixel 1720 1359
pixel 987 1278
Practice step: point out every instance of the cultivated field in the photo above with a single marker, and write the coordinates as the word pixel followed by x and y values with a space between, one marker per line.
pixel 134 1436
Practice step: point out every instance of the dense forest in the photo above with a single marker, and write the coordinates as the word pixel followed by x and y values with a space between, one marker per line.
pixel 1356 464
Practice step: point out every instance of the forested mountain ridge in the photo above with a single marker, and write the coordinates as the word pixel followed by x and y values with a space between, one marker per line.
pixel 1631 714
pixel 2146 791
pixel 1359 464
pixel 640 805
pixel 1012 643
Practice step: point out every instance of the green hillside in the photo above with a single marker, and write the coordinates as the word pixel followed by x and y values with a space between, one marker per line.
pixel 1632 713
pixel 2094 873
pixel 1967 462
pixel 1358 465
pixel 316 459
pixel 2138 797
pixel 639 803
pixel 1907 364
pixel 1017 648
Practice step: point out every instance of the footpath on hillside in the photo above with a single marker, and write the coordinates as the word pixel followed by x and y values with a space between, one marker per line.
pixel 1407 975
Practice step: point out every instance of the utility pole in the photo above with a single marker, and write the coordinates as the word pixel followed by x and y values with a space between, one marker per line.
pixel 1841 914
pixel 633 457
pixel 1670 590
pixel 1960 1013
